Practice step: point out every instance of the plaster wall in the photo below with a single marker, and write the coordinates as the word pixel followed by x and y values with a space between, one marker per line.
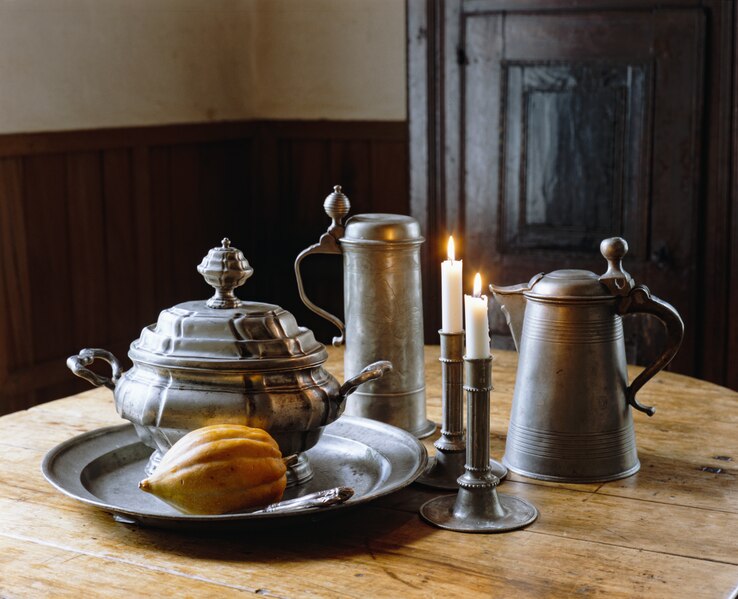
pixel 85 64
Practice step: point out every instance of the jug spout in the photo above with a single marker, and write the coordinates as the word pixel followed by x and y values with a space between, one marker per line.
pixel 512 302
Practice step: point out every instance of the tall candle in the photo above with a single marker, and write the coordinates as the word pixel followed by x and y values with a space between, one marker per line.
pixel 477 326
pixel 451 278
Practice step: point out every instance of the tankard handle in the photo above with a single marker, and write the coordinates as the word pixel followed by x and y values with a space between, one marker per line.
pixel 328 244
pixel 640 300
pixel 78 365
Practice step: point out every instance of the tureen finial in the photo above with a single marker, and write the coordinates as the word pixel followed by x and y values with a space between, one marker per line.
pixel 225 268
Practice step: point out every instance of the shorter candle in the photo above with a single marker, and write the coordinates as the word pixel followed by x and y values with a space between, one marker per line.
pixel 451 291
pixel 477 326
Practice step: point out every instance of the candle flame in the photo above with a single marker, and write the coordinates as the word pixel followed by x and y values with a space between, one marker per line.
pixel 477 285
pixel 450 248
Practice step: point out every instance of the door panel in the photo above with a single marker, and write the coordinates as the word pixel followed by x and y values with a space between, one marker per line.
pixel 575 127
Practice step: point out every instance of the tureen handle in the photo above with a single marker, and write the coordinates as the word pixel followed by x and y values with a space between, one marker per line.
pixel 375 370
pixel 78 365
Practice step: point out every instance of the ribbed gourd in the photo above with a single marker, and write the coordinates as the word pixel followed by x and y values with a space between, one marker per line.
pixel 219 469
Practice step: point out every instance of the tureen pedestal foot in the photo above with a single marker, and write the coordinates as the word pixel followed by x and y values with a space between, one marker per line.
pixel 153 462
pixel 300 471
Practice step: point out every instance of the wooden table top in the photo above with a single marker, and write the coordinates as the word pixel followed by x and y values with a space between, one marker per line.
pixel 669 531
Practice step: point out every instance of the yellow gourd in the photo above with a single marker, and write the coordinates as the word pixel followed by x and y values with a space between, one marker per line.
pixel 218 469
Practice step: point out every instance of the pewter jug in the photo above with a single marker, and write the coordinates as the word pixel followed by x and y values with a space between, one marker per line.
pixel 571 419
pixel 383 309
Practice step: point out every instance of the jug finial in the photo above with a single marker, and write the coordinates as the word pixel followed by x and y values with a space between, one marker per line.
pixel 616 279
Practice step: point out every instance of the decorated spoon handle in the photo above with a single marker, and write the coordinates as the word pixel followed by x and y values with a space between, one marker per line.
pixel 318 499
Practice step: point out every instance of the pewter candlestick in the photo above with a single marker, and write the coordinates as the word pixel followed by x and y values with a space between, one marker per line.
pixel 448 464
pixel 477 507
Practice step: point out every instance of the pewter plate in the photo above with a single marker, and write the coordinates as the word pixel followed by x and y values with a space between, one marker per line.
pixel 103 468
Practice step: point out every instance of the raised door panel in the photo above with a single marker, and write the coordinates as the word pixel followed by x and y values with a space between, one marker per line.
pixel 576 127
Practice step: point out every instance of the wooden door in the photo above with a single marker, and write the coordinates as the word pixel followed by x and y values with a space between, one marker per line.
pixel 550 126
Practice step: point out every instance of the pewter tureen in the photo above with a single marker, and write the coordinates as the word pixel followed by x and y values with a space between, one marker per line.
pixel 226 361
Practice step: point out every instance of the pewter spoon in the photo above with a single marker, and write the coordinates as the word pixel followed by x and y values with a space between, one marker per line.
pixel 319 499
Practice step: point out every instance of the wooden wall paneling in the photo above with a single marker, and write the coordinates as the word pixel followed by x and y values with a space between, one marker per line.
pixel 225 172
pixel 680 48
pixel 305 179
pixel 481 49
pixel 350 163
pixel 16 349
pixel 246 202
pixel 715 338
pixel 121 278
pixel 26 144
pixel 146 307
pixel 563 5
pixel 388 174
pixel 7 269
pixel 51 293
pixel 162 233
pixel 425 169
pixel 87 243
pixel 266 158
pixel 480 222
pixel 189 243
pixel 731 320
pixel 262 205
pixel 125 217
pixel 47 238
pixel 87 257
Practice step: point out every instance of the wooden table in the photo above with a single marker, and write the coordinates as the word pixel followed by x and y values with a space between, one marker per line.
pixel 669 531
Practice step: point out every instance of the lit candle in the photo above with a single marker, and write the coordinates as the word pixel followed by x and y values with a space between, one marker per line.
pixel 451 293
pixel 477 326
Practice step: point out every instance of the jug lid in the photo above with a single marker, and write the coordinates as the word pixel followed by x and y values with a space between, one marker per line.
pixel 573 283
pixel 224 331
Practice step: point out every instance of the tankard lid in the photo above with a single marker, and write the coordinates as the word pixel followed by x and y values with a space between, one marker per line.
pixel 384 228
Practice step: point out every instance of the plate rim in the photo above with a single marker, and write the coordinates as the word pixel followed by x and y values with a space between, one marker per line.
pixel 147 517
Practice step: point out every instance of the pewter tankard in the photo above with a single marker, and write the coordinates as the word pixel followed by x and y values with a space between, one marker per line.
pixel 383 309
pixel 571 419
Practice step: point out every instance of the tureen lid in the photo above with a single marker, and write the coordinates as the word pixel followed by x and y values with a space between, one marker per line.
pixel 225 332
pixel 571 283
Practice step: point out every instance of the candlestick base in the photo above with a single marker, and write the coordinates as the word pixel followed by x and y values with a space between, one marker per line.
pixel 479 510
pixel 445 468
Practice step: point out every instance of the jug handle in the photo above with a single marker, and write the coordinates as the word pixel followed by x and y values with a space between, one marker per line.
pixel 77 364
pixel 328 244
pixel 640 300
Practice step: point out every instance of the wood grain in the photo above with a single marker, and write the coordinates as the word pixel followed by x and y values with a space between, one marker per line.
pixel 669 531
